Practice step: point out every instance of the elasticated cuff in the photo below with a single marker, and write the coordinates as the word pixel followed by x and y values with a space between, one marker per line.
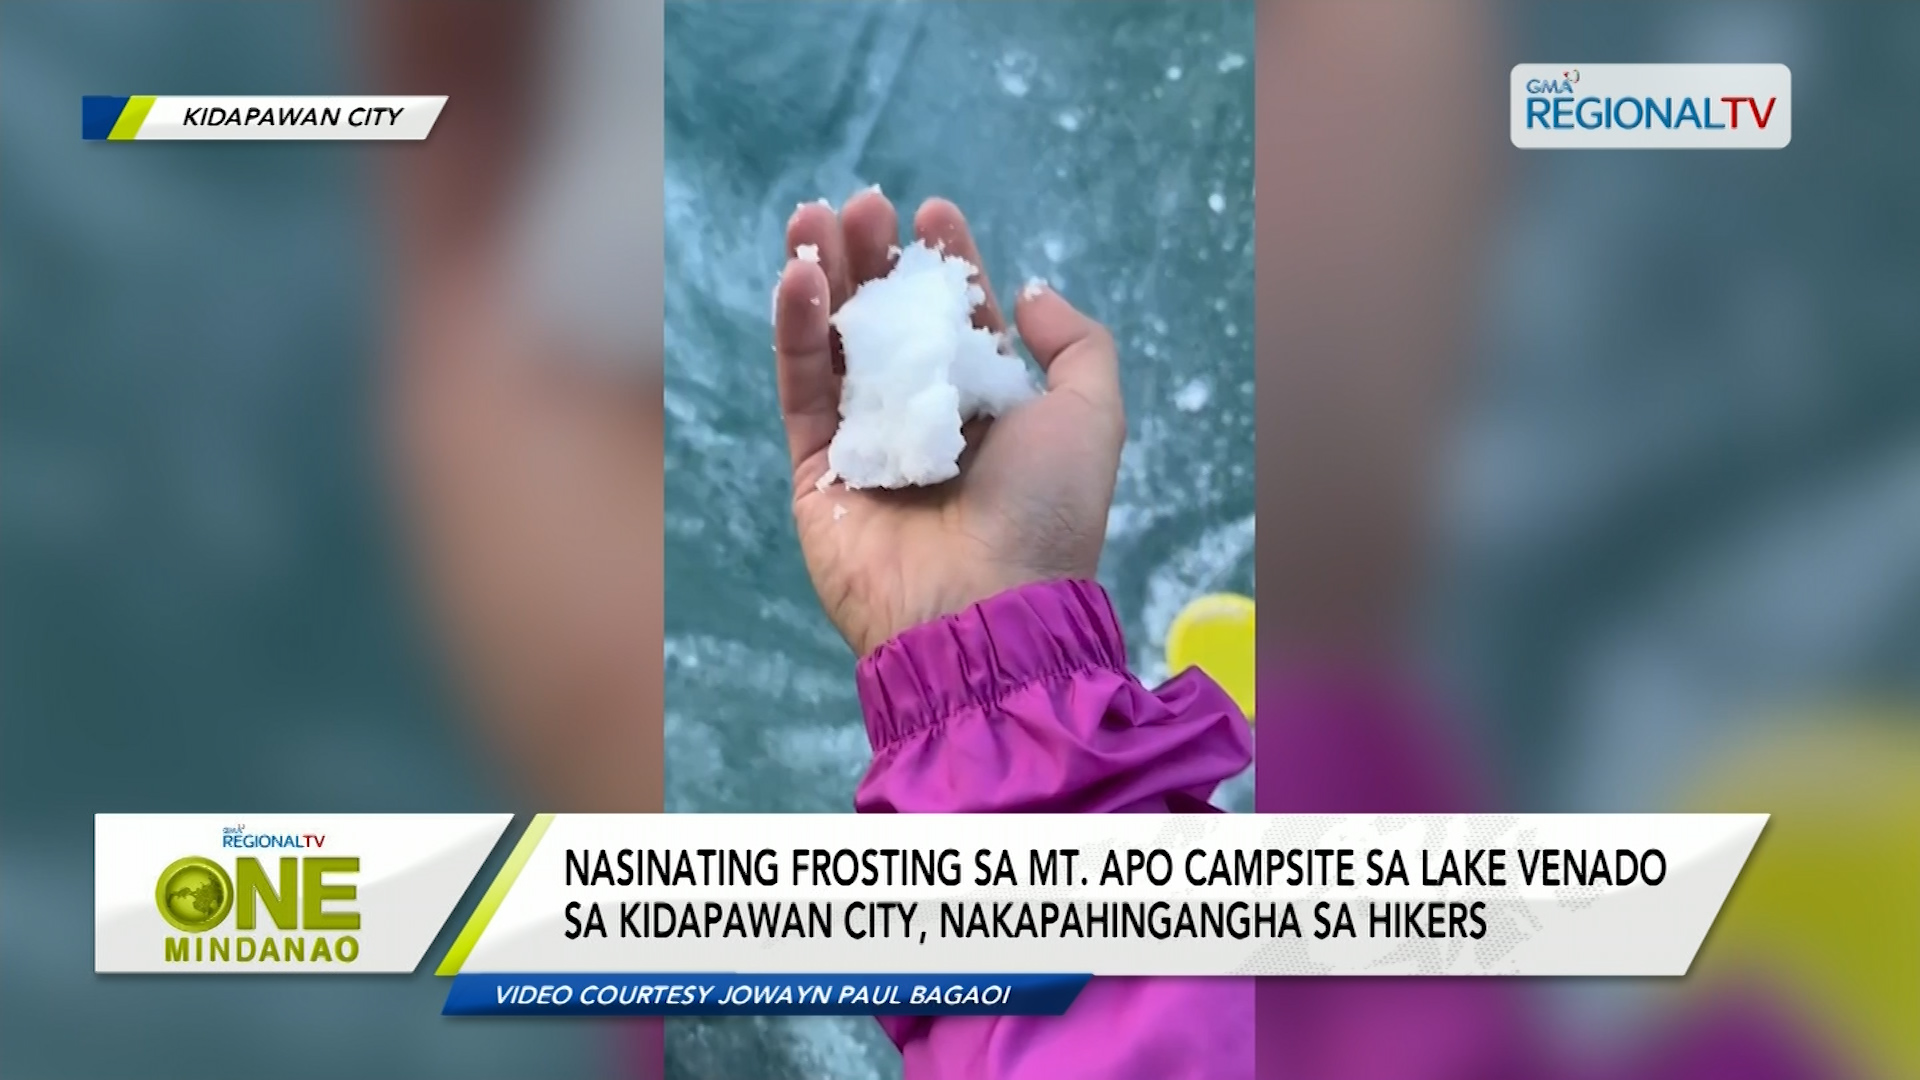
pixel 972 659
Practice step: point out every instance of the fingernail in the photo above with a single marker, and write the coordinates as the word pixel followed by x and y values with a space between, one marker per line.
pixel 1034 287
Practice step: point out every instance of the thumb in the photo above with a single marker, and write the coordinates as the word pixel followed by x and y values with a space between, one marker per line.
pixel 1076 352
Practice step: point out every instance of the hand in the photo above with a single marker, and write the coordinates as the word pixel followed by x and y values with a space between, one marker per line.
pixel 1030 503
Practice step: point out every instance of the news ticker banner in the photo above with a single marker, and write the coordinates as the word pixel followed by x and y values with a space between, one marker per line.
pixel 1651 106
pixel 154 117
pixel 712 914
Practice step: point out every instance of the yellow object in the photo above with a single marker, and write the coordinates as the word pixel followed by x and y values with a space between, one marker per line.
pixel 1215 634
pixel 1828 907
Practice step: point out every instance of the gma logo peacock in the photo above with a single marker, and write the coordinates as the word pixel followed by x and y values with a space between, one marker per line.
pixel 305 908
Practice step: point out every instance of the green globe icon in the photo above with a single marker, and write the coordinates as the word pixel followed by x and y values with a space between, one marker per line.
pixel 194 894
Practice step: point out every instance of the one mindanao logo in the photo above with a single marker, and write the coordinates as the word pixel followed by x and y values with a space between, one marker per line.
pixel 1652 106
pixel 297 914
pixel 194 894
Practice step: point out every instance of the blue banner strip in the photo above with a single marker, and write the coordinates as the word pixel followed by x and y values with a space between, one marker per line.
pixel 98 114
pixel 722 994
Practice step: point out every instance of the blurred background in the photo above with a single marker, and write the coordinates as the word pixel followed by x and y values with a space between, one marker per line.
pixel 251 471
pixel 1618 450
pixel 1682 538
pixel 1617 456
pixel 1105 147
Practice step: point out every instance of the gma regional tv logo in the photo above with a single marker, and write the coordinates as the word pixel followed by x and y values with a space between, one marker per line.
pixel 1651 106
pixel 266 909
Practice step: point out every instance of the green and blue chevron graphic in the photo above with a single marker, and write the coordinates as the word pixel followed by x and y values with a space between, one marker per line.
pixel 113 118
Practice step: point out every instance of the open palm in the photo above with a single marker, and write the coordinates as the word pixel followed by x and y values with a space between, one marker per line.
pixel 1030 503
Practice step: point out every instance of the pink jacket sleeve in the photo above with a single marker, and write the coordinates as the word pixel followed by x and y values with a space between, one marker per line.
pixel 1023 704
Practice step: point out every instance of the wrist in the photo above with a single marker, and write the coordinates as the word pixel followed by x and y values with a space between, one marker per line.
pixel 1041 629
pixel 954 599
